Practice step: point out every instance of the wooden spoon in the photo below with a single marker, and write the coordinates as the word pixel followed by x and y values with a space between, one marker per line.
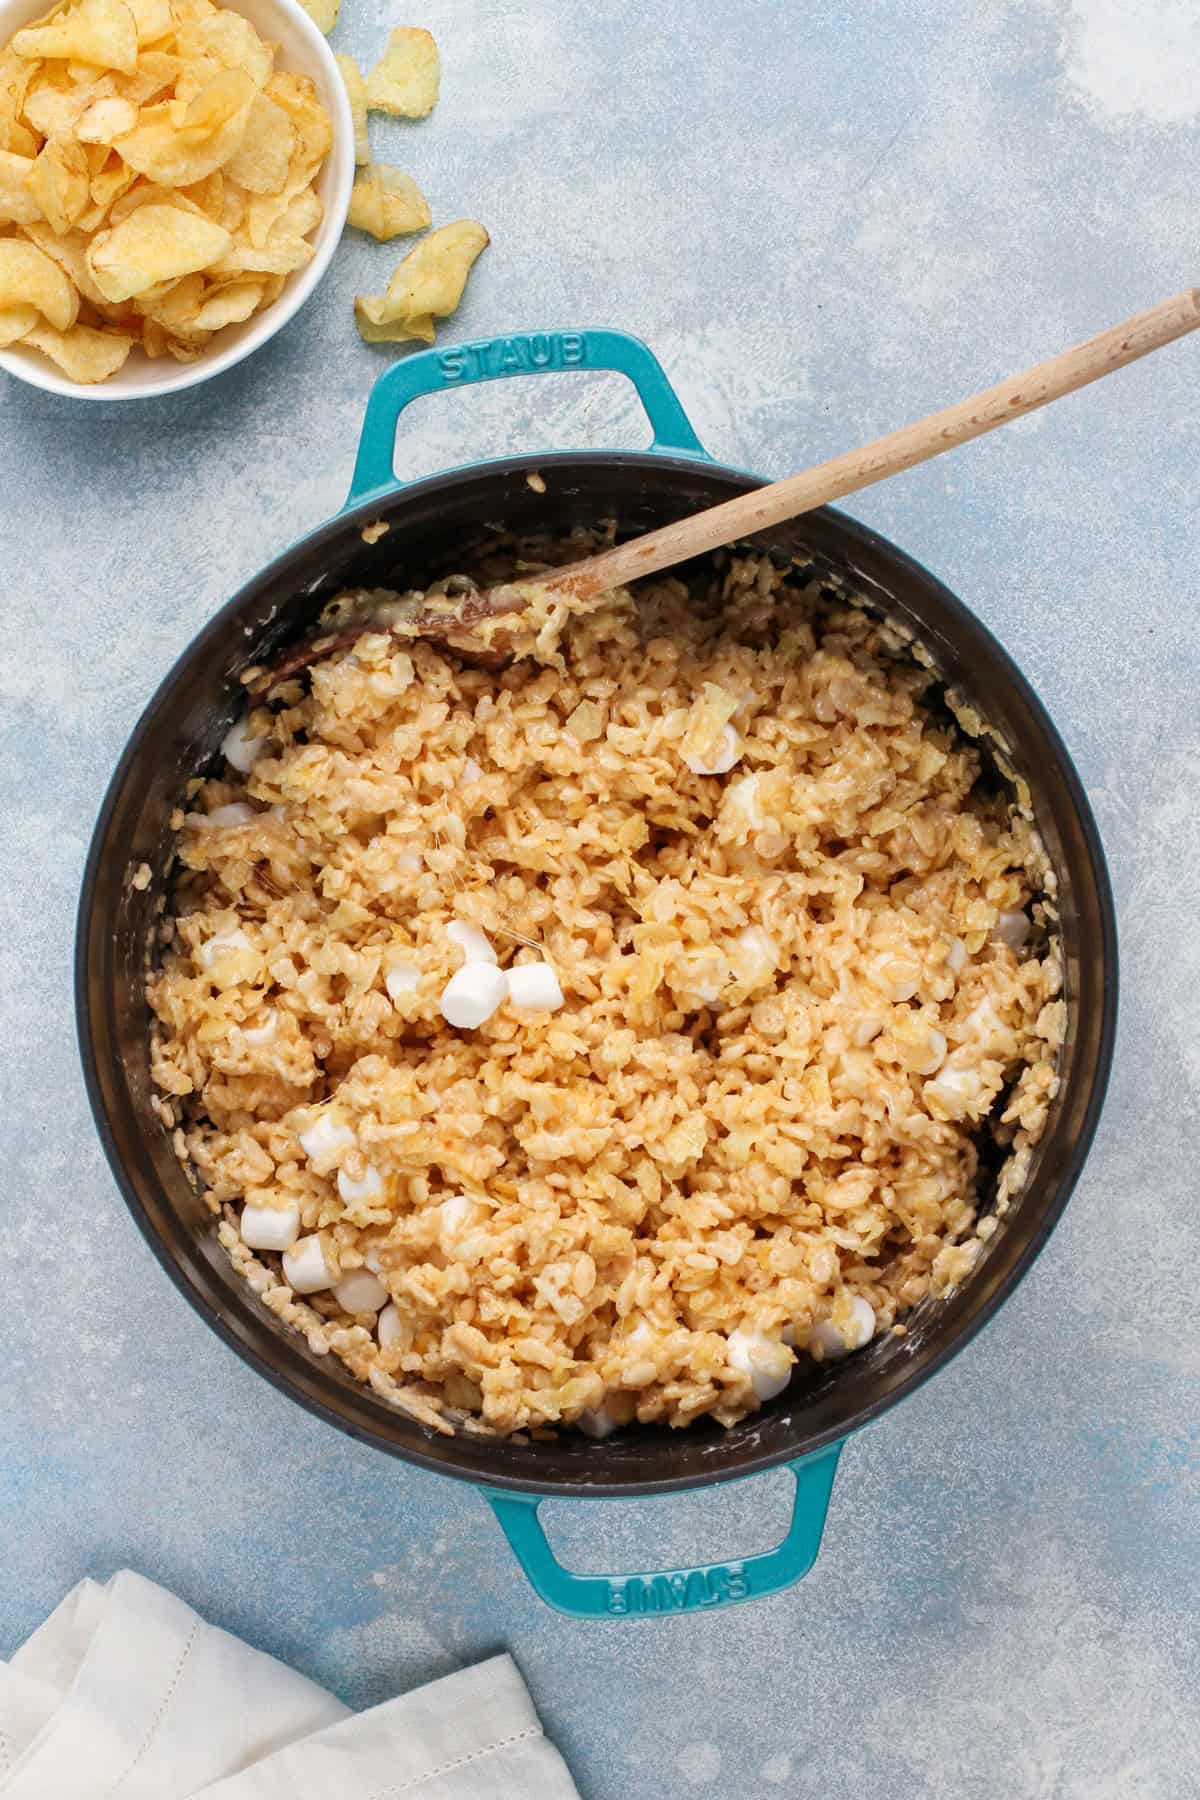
pixel 584 582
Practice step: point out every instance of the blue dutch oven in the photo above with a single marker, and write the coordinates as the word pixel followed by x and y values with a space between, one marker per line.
pixel 433 525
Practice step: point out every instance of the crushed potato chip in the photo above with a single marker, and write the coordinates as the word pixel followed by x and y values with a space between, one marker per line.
pixel 101 32
pixel 155 243
pixel 156 168
pixel 427 285
pixel 28 277
pixel 85 355
pixel 405 80
pixel 356 89
pixel 387 203
pixel 323 13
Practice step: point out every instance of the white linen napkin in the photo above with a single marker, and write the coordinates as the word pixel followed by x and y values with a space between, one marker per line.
pixel 126 1694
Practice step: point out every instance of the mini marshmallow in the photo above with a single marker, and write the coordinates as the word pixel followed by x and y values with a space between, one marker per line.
pixel 389 1326
pixel 743 797
pixel 454 1213
pixel 471 996
pixel 403 977
pixel 240 751
pixel 727 753
pixel 764 1359
pixel 360 1292
pixel 534 987
pixel 1011 928
pixel 305 1268
pixel 409 861
pixel 219 944
pixel 326 1136
pixel 597 1422
pixel 956 956
pixel 472 770
pixel 270 1227
pixel 855 1327
pixel 369 1188
pixel 264 1033
pixel 471 941
pixel 236 813
pixel 373 1260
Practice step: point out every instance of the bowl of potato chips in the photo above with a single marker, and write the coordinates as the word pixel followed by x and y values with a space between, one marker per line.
pixel 174 178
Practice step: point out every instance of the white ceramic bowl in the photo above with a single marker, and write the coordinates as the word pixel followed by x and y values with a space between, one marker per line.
pixel 303 49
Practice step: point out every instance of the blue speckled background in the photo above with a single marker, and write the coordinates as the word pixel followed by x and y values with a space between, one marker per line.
pixel 826 220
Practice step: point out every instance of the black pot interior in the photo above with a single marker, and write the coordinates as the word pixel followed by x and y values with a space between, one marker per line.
pixel 434 524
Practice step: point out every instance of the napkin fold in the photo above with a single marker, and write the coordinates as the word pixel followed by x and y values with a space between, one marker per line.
pixel 125 1693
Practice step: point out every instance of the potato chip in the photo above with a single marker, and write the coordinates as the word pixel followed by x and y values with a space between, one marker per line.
pixel 157 71
pixel 16 202
pixel 175 157
pixel 149 193
pixel 229 304
pixel 152 19
pixel 15 322
pixel 298 97
pixel 427 285
pixel 323 13
pixel 356 89
pixel 18 139
pixel 281 254
pixel 405 80
pixel 230 41
pixel 155 243
pixel 173 303
pixel 15 75
pixel 28 277
pixel 60 182
pixel 101 32
pixel 85 355
pixel 52 110
pixel 261 162
pixel 70 253
pixel 105 119
pixel 387 203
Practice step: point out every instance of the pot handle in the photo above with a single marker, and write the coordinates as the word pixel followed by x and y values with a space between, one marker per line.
pixel 671 1590
pixel 528 353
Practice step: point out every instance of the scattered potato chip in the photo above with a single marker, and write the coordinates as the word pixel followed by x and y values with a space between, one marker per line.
pixel 405 80
pixel 323 13
pixel 28 277
pixel 105 119
pixel 427 285
pixel 155 243
pixel 261 162
pixel 60 182
pixel 85 355
pixel 17 204
pixel 356 89
pixel 101 32
pixel 387 203
pixel 16 322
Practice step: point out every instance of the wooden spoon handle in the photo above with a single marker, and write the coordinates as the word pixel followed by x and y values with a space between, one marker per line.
pixel 903 449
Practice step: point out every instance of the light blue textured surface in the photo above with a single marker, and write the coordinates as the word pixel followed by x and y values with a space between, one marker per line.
pixel 825 221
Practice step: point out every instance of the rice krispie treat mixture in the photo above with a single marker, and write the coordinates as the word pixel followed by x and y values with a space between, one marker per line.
pixel 589 1039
